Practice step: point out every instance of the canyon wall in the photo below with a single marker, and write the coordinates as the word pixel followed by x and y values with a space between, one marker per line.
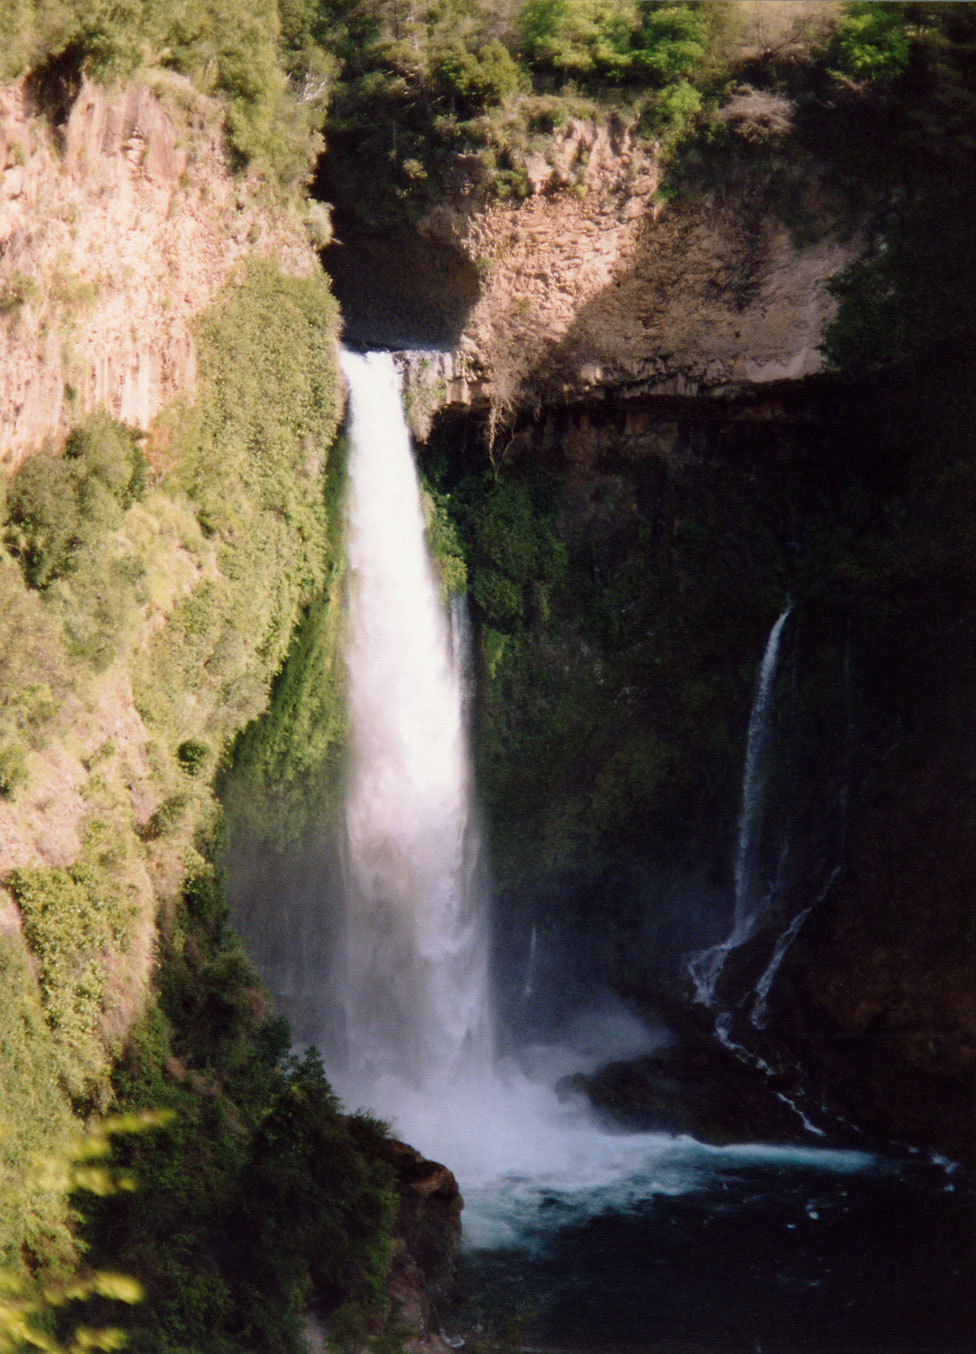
pixel 119 223
pixel 595 287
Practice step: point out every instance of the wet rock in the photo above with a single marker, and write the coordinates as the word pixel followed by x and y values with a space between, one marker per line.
pixel 695 1087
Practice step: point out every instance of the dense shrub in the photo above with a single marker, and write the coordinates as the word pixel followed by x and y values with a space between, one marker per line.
pixel 444 543
pixel 285 774
pixel 673 42
pixel 267 412
pixel 44 517
pixel 33 676
pixel 318 1198
pixel 477 79
pixel 514 557
pixel 872 43
pixel 57 506
pixel 261 1197
pixel 74 919
pixel 34 1122
pixel 580 37
pixel 258 60
pixel 673 113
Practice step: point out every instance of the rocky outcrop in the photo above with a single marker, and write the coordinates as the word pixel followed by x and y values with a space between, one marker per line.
pixel 693 1086
pixel 426 1237
pixel 119 222
pixel 609 291
pixel 879 993
pixel 422 1280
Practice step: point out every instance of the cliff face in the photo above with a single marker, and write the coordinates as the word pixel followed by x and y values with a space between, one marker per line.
pixel 170 399
pixel 119 223
pixel 594 288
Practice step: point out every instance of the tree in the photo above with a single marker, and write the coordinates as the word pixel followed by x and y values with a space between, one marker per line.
pixel 580 37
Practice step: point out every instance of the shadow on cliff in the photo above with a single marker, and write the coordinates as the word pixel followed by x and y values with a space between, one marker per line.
pixel 399 289
pixel 716 299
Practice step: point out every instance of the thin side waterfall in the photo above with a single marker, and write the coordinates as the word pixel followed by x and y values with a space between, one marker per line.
pixel 705 966
pixel 761 990
pixel 413 979
pixel 754 778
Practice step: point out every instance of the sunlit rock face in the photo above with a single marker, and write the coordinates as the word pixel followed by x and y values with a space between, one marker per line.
pixel 119 222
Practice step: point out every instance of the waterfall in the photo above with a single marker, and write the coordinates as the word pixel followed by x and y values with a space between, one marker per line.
pixel 412 978
pixel 459 620
pixel 705 966
pixel 410 981
pixel 528 986
pixel 761 990
pixel 754 780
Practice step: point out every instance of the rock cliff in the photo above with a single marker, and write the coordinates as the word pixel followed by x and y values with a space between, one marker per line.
pixel 119 222
pixel 595 287
pixel 661 361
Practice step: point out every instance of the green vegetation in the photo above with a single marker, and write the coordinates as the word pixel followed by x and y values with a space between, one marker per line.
pixel 515 558
pixel 590 735
pixel 34 676
pixel 423 82
pixel 35 1122
pixel 62 513
pixel 266 414
pixel 58 505
pixel 872 43
pixel 444 543
pixel 182 564
pixel 74 921
pixel 261 59
pixel 283 776
pixel 260 1199
pixel 909 142
pixel 403 87
pixel 36 1315
pixel 585 38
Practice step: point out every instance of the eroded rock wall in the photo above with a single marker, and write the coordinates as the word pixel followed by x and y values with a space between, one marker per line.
pixel 119 222
pixel 593 286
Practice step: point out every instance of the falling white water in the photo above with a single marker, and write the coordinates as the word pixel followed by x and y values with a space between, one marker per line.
pixel 761 990
pixel 528 986
pixel 414 975
pixel 754 777
pixel 706 966
pixel 412 981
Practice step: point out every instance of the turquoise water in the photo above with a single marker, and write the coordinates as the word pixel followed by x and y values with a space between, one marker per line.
pixel 750 1250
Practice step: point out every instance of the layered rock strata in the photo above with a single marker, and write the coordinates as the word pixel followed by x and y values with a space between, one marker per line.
pixel 119 222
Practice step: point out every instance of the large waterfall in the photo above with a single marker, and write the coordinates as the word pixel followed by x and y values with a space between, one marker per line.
pixel 410 989
pixel 413 978
pixel 411 985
